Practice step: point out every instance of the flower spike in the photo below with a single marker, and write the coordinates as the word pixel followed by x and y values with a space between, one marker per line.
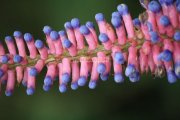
pixel 80 56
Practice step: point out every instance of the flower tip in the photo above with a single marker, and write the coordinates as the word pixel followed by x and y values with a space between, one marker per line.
pixel 17 59
pixel 67 43
pixel 47 30
pixel 54 35
pixel 8 39
pixel 17 34
pixel 68 25
pixel 99 17
pixel 82 81
pixel 90 24
pixel 123 9
pixel 84 30
pixel 46 88
pixel 74 86
pixel 39 44
pixel 177 36
pixel 171 77
pixel 92 84
pixel 8 93
pixel 65 78
pixel 118 78
pixel 154 6
pixel 116 22
pixel 101 68
pixel 75 22
pixel 28 37
pixel 33 72
pixel 104 77
pixel 103 38
pixel 30 91
pixel 48 81
pixel 62 88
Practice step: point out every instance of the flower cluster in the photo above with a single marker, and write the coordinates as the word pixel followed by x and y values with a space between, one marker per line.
pixel 149 43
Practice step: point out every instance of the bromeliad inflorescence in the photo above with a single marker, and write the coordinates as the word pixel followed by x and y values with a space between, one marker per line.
pixel 150 42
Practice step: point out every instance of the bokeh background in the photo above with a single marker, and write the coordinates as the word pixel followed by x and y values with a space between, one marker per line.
pixel 148 99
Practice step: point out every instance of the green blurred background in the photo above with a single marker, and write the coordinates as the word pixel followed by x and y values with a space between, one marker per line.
pixel 148 99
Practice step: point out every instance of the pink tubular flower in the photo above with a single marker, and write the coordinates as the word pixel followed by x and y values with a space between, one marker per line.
pixel 124 12
pixel 10 82
pixel 75 75
pixel 57 42
pixel 94 74
pixel 70 33
pixel 10 44
pixel 83 71
pixel 79 37
pixel 47 30
pixel 89 37
pixel 120 29
pixel 31 46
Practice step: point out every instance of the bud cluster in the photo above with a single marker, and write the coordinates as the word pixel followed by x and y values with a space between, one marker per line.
pixel 149 43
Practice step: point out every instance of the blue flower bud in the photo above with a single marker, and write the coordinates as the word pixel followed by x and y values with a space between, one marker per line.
pixel 4 59
pixel 92 84
pixel 75 22
pixel 116 22
pixel 17 59
pixel 47 30
pixel 118 78
pixel 119 58
pixel 177 36
pixel 116 14
pixel 62 33
pixel 17 34
pixel 154 37
pixel 103 38
pixel 68 25
pixel 137 22
pixel 84 30
pixel 46 88
pixel 74 86
pixel 48 81
pixel 39 44
pixel 135 77
pixel 82 81
pixel 171 77
pixel 101 68
pixel 104 77
pixel 90 24
pixel 28 37
pixel 169 2
pixel 154 6
pixel 99 17
pixel 166 56
pixel 30 91
pixel 164 20
pixel 8 93
pixel 62 88
pixel 123 9
pixel 8 39
pixel 54 35
pixel 130 69
pixel 67 43
pixel 65 78
pixel 33 72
